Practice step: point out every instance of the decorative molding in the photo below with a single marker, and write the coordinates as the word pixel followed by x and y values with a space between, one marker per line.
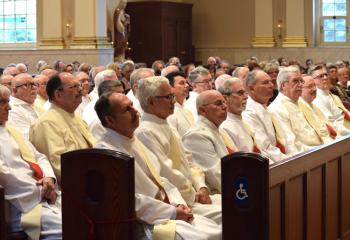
pixel 299 41
pixel 51 43
pixel 266 42
pixel 91 43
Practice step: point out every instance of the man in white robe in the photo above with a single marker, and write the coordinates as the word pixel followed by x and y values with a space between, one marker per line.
pixel 28 191
pixel 157 200
pixel 41 97
pixel 182 118
pixel 95 126
pixel 286 112
pixel 236 96
pixel 204 140
pixel 89 113
pixel 135 76
pixel 23 113
pixel 330 104
pixel 200 80
pixel 260 89
pixel 312 113
pixel 83 78
pixel 157 101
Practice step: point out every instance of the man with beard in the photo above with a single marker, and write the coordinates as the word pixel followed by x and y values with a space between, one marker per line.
pixel 60 129
pixel 286 113
pixel 24 113
pixel 236 98
pixel 312 113
pixel 182 118
pixel 204 140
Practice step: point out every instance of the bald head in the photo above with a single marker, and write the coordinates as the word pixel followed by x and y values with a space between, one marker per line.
pixel 6 80
pixel 41 82
pixel 212 105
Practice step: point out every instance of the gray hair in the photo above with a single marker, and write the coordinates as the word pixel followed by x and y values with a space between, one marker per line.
pixel 149 87
pixel 4 91
pixel 196 72
pixel 100 77
pixel 283 75
pixel 269 66
pixel 138 74
pixel 225 88
pixel 169 69
pixel 220 80
pixel 251 79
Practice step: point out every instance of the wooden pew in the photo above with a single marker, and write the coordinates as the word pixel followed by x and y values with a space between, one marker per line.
pixel 2 214
pixel 308 195
pixel 98 196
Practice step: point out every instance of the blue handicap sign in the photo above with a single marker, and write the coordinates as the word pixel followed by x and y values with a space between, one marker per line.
pixel 241 193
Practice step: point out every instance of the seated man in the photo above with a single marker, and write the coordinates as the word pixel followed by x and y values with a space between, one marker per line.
pixel 330 104
pixel 60 130
pixel 83 78
pixel 155 133
pixel 41 97
pixel 95 126
pixel 204 140
pixel 312 113
pixel 28 180
pixel 182 118
pixel 240 133
pixel 157 200
pixel 260 89
pixel 24 113
pixel 135 76
pixel 285 110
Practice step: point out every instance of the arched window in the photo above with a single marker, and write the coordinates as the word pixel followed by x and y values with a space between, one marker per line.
pixel 17 21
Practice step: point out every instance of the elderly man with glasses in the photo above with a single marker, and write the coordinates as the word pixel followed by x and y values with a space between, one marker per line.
pixel 330 104
pixel 60 129
pixel 24 112
pixel 286 113
pixel 157 100
pixel 204 140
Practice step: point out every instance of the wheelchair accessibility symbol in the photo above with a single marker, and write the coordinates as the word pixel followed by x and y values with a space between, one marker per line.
pixel 241 193
pixel 241 190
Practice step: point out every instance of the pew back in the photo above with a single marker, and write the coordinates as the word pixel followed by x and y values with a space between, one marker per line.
pixel 2 214
pixel 97 195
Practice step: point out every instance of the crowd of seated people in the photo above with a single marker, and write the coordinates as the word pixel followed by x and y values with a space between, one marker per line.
pixel 176 120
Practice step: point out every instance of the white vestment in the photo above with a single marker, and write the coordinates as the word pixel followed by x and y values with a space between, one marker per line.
pixel 40 101
pixel 176 165
pixel 89 113
pixel 235 128
pixel 22 115
pixel 325 102
pixel 259 120
pixel 205 143
pixel 21 189
pixel 300 136
pixel 151 209
pixel 182 119
pixel 85 100
pixel 190 104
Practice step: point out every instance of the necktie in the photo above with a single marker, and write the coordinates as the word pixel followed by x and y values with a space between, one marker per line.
pixel 151 168
pixel 26 153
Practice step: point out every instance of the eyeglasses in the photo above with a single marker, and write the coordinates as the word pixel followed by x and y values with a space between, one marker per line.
pixel 27 85
pixel 240 93
pixel 298 81
pixel 323 75
pixel 167 97
pixel 72 87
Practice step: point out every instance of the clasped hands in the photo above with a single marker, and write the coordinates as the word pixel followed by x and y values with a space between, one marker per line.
pixel 48 190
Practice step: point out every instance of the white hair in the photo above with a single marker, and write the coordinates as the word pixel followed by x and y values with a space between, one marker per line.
pixel 225 88
pixel 148 87
pixel 219 81
pixel 283 75
pixel 100 77
pixel 169 69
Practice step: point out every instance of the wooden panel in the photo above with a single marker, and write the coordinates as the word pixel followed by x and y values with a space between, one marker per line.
pixel 345 195
pixel 2 214
pixel 276 216
pixel 315 216
pixel 332 200
pixel 295 209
